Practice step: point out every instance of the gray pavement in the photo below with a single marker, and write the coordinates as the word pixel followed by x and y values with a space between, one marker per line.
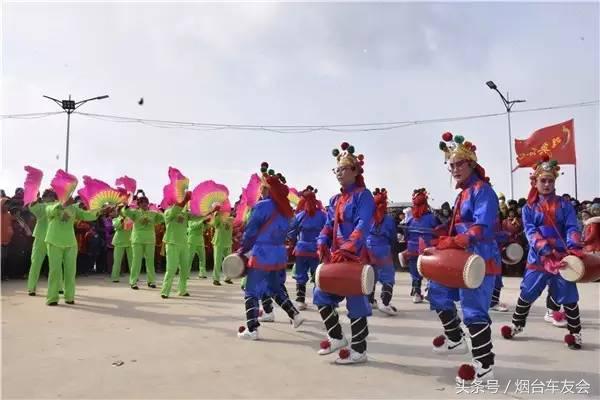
pixel 187 348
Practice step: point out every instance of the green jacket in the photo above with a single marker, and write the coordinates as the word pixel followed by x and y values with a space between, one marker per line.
pixel 61 223
pixel 122 236
pixel 143 225
pixel 196 227
pixel 38 209
pixel 176 222
pixel 223 231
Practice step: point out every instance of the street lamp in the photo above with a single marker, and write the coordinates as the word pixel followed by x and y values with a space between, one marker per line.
pixel 69 106
pixel 508 104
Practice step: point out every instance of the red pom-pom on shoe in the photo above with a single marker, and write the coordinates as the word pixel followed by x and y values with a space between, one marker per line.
pixel 506 332
pixel 241 329
pixel 569 339
pixel 558 315
pixel 344 353
pixel 439 341
pixel 325 344
pixel 466 372
pixel 447 136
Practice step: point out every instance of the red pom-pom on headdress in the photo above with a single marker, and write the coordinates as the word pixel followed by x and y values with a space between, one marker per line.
pixel 345 145
pixel 447 136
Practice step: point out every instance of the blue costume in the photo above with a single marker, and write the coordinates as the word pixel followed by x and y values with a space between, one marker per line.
pixel 418 230
pixel 304 231
pixel 550 223
pixel 380 242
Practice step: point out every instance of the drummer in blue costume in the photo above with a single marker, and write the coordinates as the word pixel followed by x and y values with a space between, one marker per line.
pixel 472 228
pixel 265 235
pixel 550 224
pixel 305 229
pixel 343 238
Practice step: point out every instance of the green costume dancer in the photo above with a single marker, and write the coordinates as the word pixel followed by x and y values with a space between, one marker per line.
pixel 122 245
pixel 39 250
pixel 143 239
pixel 196 226
pixel 176 221
pixel 222 240
pixel 62 248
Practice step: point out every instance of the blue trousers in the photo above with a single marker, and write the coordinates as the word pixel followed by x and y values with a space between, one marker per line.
pixel 260 283
pixel 534 282
pixel 385 275
pixel 474 302
pixel 304 265
pixel 358 306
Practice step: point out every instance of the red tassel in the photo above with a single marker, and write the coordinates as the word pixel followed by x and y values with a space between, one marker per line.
pixel 439 341
pixel 506 332
pixel 241 329
pixel 466 372
pixel 325 344
pixel 558 316
pixel 344 353
pixel 569 339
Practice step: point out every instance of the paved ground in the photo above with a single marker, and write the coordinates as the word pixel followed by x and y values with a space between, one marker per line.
pixel 187 348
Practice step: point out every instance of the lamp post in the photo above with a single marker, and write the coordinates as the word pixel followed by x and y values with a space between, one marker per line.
pixel 69 106
pixel 508 104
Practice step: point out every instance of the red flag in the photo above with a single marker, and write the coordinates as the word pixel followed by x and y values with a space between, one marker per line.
pixel 558 141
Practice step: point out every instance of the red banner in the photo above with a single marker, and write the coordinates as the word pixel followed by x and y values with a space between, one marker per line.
pixel 558 141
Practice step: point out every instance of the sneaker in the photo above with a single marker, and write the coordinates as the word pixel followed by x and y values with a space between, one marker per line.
pixel 115 281
pixel 70 302
pixel 297 320
pixel 186 294
pixel 331 345
pixel 556 318
pixel 201 276
pixel 31 293
pixel 300 305
pixel 509 332
pixel 229 281
pixel 417 298
pixel 443 345
pixel 499 307
pixel 389 309
pixel 574 341
pixel 245 334
pixel 134 287
pixel 164 296
pixel 267 317
pixel 216 283
pixel 351 356
pixel 152 285
pixel 54 303
pixel 474 372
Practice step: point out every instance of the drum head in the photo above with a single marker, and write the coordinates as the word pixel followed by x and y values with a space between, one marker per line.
pixel 574 269
pixel 318 275
pixel 233 266
pixel 513 253
pixel 367 279
pixel 474 272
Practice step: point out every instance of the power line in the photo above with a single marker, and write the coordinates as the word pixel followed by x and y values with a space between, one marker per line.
pixel 30 115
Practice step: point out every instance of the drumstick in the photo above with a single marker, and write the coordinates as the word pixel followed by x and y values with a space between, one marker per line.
pixel 418 230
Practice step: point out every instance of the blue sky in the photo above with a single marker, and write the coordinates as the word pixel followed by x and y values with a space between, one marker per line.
pixel 285 64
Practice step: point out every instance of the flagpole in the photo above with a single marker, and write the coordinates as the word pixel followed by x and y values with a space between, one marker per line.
pixel 576 196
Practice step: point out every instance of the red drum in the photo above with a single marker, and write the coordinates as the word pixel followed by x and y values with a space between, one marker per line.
pixel 234 266
pixel 345 278
pixel 452 267
pixel 580 270
pixel 512 254
pixel 403 259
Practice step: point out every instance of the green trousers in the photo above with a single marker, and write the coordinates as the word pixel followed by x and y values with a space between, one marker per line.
pixel 118 253
pixel 177 259
pixel 59 258
pixel 38 254
pixel 219 253
pixel 197 250
pixel 147 252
